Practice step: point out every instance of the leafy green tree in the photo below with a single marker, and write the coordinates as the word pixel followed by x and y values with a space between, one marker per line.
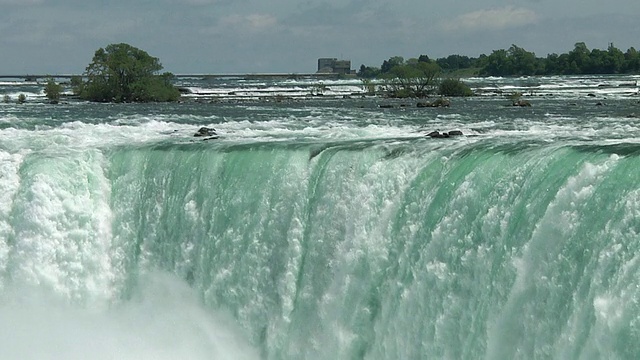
pixel 579 58
pixel 53 90
pixel 424 58
pixel 631 60
pixel 498 64
pixel 522 61
pixel 454 62
pixel 616 59
pixel 368 72
pixel 393 61
pixel 123 73
pixel 77 85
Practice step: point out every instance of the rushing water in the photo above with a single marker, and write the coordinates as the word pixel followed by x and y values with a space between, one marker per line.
pixel 323 227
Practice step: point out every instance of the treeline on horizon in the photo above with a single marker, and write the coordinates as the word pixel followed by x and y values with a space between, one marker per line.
pixel 517 61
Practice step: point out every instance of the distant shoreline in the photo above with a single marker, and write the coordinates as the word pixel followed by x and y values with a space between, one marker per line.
pixel 248 76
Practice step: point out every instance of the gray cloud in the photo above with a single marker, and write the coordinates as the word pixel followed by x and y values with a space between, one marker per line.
pixel 289 36
pixel 21 2
pixel 491 19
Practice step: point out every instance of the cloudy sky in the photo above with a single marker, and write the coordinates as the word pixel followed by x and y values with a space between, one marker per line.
pixel 251 36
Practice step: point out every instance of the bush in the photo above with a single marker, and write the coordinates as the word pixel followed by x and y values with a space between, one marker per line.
pixel 454 87
pixel 53 90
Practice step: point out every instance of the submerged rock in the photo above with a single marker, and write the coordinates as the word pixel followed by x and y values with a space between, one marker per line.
pixel 522 103
pixel 206 132
pixel 439 135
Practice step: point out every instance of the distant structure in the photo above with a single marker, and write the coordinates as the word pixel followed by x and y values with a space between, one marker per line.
pixel 334 66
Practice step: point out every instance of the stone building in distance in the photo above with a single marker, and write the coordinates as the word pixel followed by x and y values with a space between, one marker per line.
pixel 334 66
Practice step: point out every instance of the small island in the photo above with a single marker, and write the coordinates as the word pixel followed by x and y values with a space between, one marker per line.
pixel 121 73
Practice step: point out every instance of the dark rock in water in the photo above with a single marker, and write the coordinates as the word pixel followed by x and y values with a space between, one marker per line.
pixel 599 103
pixel 439 135
pixel 184 90
pixel 522 103
pixel 441 102
pixel 205 131
pixel 386 106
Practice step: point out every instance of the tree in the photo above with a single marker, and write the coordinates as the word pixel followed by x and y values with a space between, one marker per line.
pixel 454 62
pixel 498 64
pixel 123 73
pixel 393 61
pixel 412 80
pixel 631 60
pixel 368 72
pixel 53 90
pixel 424 58
pixel 616 59
pixel 76 85
pixel 579 58
pixel 523 62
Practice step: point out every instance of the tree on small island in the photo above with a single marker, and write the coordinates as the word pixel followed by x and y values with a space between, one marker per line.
pixel 123 73
pixel 412 79
pixel 53 91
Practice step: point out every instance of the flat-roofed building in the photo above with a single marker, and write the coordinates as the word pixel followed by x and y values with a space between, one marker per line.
pixel 334 66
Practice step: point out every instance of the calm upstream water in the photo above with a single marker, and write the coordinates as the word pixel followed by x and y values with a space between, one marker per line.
pixel 323 227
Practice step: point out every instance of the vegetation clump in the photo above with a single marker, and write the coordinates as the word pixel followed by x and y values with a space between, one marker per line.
pixel 414 78
pixel 516 61
pixel 53 91
pixel 123 73
pixel 22 98
pixel 454 87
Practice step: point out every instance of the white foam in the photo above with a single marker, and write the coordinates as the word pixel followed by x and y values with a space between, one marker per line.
pixel 62 226
pixel 164 320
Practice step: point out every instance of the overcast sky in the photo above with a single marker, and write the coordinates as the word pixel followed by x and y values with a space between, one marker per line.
pixel 250 36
